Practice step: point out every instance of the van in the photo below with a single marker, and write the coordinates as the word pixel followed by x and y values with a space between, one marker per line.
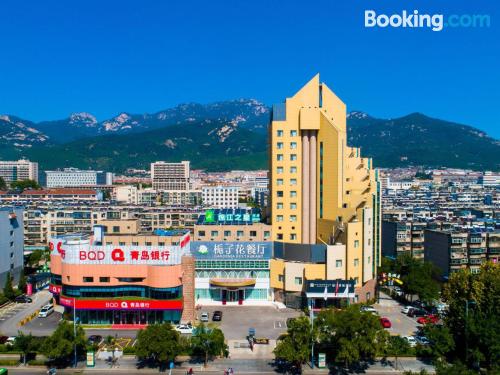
pixel 46 311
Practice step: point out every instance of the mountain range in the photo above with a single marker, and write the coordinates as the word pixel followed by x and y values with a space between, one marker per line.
pixel 232 135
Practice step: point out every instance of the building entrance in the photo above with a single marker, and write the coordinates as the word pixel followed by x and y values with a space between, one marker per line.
pixel 232 295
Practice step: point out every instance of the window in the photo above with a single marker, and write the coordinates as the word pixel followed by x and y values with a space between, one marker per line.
pixel 149 243
pixel 356 280
pixel 135 243
pixel 293 157
pixel 253 233
pixel 279 193
pixel 104 279
pixel 267 234
pixel 293 217
pixel 356 262
pixel 293 194
pixel 293 206
pixel 227 233
pixel 116 229
pixel 279 157
pixel 369 241
pixel 239 233
pixel 279 218
pixel 279 181
pixel 201 233
pixel 338 263
pixel 293 145
pixel 298 281
pixel 279 145
pixel 293 133
pixel 279 206
pixel 88 279
pixel 369 259
pixel 293 169
pixel 121 243
pixel 279 236
pixel 281 278
pixel 293 181
pixel 214 233
pixel 293 236
pixel 279 170
pixel 279 133
pixel 356 243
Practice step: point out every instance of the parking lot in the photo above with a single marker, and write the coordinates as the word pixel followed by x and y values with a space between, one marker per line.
pixel 42 326
pixel 268 321
pixel 401 323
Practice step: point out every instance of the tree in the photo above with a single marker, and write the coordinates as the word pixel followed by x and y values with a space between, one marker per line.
pixel 441 340
pixel 8 290
pixel 3 184
pixel 59 346
pixel 472 318
pixel 21 286
pixel 295 347
pixel 418 278
pixel 208 341
pixel 350 335
pixel 158 343
pixel 25 184
pixel 24 343
pixel 396 346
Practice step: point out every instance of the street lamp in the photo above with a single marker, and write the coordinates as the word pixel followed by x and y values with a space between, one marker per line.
pixel 74 332
pixel 467 303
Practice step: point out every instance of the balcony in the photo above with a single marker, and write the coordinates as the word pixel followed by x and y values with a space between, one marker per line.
pixel 494 250
pixel 477 251
pixel 456 262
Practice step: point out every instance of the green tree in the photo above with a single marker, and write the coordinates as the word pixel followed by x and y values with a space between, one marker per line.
pixel 8 290
pixel 208 341
pixel 441 340
pixel 158 342
pixel 3 184
pixel 21 286
pixel 59 346
pixel 295 346
pixel 474 308
pixel 24 343
pixel 24 185
pixel 350 335
pixel 397 346
pixel 418 278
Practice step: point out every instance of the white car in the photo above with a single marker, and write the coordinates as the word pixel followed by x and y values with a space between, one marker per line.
pixel 184 328
pixel 11 340
pixel 405 310
pixel 46 311
pixel 204 317
pixel 369 309
pixel 411 340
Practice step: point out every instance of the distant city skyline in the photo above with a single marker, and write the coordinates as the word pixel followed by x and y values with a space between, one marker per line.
pixel 113 57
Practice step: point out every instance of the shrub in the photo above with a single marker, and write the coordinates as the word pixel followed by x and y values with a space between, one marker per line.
pixel 9 362
pixel 129 350
pixel 36 362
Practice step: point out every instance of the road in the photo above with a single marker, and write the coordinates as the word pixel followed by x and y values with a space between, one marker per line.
pixel 402 324
pixel 11 315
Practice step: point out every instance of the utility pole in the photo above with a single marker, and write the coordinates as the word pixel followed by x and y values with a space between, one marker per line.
pixel 74 330
pixel 311 317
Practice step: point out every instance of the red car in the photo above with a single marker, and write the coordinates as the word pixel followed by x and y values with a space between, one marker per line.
pixel 386 323
pixel 428 319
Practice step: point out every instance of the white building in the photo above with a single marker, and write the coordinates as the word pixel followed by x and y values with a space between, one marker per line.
pixel 125 194
pixel 220 196
pixel 19 170
pixel 490 179
pixel 73 177
pixel 170 176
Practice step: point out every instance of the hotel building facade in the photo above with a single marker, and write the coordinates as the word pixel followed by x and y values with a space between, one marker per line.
pixel 324 198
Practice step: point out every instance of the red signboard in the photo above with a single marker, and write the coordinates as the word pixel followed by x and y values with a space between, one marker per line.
pixel 122 304
pixel 55 289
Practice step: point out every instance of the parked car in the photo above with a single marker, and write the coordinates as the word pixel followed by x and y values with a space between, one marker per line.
pixel 416 312
pixel 217 316
pixel 184 328
pixel 204 317
pixel 23 299
pixel 94 339
pixel 411 340
pixel 406 309
pixel 422 340
pixel 10 340
pixel 369 309
pixel 386 323
pixel 46 311
pixel 428 319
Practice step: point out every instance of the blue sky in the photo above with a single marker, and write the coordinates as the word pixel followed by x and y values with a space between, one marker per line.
pixel 104 57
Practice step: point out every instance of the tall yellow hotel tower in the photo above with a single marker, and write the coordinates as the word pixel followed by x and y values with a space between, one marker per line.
pixel 324 204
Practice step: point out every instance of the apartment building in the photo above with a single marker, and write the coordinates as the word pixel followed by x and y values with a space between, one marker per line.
pixel 68 195
pixel 19 170
pixel 322 191
pixel 403 237
pixel 11 244
pixel 170 176
pixel 74 177
pixel 220 196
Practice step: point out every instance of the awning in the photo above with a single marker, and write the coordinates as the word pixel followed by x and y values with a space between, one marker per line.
pixel 232 283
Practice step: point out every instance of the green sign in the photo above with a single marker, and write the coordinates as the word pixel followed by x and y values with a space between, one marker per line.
pixel 209 216
pixel 321 360
pixel 90 359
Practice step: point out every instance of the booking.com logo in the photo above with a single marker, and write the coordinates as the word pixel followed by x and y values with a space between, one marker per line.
pixel 436 22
